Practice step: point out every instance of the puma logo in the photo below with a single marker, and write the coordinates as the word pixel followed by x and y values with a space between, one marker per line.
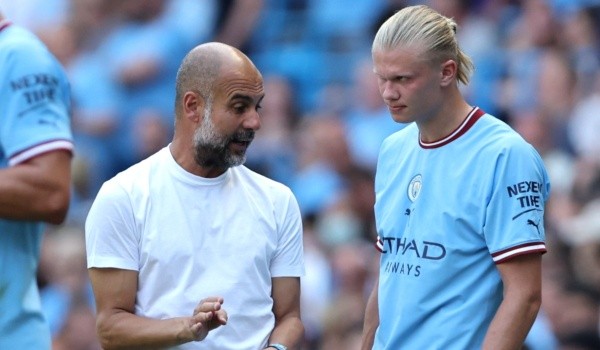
pixel 536 225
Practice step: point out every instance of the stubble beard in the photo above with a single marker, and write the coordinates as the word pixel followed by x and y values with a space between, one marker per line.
pixel 212 148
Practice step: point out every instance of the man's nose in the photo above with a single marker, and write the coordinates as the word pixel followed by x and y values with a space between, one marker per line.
pixel 388 92
pixel 252 121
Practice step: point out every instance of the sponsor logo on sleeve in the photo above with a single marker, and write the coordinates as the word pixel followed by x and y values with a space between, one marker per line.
pixel 528 195
pixel 35 90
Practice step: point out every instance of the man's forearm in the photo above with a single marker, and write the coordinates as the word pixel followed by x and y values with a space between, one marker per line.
pixel 127 331
pixel 37 190
pixel 368 336
pixel 371 320
pixel 288 332
pixel 511 324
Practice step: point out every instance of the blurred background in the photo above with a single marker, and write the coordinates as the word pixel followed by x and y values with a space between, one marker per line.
pixel 537 68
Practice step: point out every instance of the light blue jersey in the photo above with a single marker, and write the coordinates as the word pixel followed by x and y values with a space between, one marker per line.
pixel 447 212
pixel 34 119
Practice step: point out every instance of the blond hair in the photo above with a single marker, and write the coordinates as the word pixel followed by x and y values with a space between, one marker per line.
pixel 422 26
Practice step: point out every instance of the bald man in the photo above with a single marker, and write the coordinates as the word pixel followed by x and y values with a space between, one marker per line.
pixel 190 249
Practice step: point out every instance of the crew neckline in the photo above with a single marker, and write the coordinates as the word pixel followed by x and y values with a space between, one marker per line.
pixel 188 177
pixel 4 23
pixel 466 124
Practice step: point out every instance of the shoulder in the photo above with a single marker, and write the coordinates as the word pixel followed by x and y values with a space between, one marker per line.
pixel 135 177
pixel 16 37
pixel 26 63
pixel 19 43
pixel 506 151
pixel 497 137
pixel 407 135
pixel 124 193
pixel 400 142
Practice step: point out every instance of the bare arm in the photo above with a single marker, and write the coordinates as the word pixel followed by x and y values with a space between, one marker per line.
pixel 289 330
pixel 119 328
pixel 37 189
pixel 371 319
pixel 522 298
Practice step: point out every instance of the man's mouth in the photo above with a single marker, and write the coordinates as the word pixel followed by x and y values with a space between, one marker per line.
pixel 241 144
pixel 243 141
pixel 395 108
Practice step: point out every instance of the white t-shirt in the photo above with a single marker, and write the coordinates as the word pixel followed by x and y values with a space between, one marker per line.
pixel 191 237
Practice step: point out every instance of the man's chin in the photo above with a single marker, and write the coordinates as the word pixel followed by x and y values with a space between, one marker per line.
pixel 235 157
pixel 235 162
pixel 401 118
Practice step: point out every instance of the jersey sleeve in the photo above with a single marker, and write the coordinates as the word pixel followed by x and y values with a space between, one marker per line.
pixel 288 260
pixel 110 232
pixel 35 107
pixel 514 221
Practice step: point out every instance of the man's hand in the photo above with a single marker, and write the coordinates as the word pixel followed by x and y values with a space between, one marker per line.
pixel 207 316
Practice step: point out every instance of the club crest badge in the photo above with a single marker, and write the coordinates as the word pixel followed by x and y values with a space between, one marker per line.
pixel 414 187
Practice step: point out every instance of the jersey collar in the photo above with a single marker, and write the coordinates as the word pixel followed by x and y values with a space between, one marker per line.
pixel 4 23
pixel 469 121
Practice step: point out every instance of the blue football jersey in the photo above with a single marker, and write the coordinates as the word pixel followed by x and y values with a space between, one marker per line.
pixel 34 119
pixel 446 213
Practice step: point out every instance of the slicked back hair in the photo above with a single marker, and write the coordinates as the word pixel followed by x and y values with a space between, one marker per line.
pixel 421 26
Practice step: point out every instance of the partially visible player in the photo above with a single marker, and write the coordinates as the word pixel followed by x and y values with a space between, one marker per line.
pixel 459 203
pixel 35 175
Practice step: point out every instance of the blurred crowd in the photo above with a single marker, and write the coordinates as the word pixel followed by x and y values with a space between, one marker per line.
pixel 537 68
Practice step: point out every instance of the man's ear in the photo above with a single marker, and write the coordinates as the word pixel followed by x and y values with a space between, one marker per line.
pixel 449 69
pixel 193 106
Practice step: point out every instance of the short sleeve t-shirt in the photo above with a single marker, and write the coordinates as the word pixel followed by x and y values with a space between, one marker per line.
pixel 191 237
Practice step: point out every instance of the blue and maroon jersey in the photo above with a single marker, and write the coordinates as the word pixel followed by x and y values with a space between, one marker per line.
pixel 447 212
pixel 34 119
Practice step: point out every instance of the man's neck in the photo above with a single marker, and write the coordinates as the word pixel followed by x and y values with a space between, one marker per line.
pixel 184 156
pixel 445 120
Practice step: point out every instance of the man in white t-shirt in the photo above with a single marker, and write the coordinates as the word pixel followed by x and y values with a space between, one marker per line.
pixel 183 235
